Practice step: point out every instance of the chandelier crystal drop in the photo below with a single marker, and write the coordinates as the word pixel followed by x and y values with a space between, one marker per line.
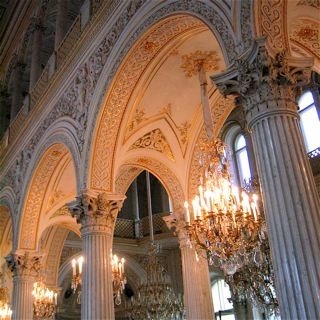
pixel 119 279
pixel 5 310
pixel 255 282
pixel 223 221
pixel 45 301
pixel 155 299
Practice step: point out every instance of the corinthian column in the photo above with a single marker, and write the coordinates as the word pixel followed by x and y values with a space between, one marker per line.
pixel 267 88
pixel 97 217
pixel 25 268
pixel 195 272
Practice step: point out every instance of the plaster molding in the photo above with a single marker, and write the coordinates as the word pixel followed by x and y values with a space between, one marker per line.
pixel 154 140
pixel 271 22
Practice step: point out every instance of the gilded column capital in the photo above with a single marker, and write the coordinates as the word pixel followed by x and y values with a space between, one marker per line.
pixel 24 263
pixel 263 83
pixel 96 213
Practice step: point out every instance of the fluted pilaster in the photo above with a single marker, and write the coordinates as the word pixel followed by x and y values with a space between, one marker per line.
pixel 35 68
pixel 25 268
pixel 61 22
pixel 195 272
pixel 267 89
pixel 97 216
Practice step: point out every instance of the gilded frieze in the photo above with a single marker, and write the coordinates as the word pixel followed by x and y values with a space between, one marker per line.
pixel 154 140
pixel 310 3
pixel 36 194
pixel 272 23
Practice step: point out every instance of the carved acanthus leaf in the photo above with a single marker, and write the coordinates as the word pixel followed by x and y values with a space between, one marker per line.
pixel 63 211
pixel 167 109
pixel 306 33
pixel 258 78
pixel 183 129
pixel 56 196
pixel 310 3
pixel 27 264
pixel 191 63
pixel 154 140
pixel 137 118
pixel 96 213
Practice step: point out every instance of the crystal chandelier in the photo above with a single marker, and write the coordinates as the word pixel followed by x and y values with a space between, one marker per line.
pixel 77 277
pixel 225 223
pixel 76 274
pixel 5 310
pixel 156 299
pixel 45 301
pixel 255 281
pixel 118 278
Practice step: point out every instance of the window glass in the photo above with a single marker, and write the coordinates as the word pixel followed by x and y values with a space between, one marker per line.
pixel 310 123
pixel 242 159
pixel 240 142
pixel 305 100
pixel 220 295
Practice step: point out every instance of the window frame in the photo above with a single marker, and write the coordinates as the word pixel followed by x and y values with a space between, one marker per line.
pixel 315 152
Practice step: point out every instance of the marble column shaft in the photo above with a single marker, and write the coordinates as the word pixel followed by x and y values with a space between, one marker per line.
pixel 267 89
pixel 135 208
pixel 195 272
pixel 97 294
pixel 35 67
pixel 25 268
pixel 16 90
pixel 97 217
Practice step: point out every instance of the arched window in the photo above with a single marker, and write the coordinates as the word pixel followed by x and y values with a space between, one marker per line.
pixel 242 160
pixel 310 123
pixel 221 300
